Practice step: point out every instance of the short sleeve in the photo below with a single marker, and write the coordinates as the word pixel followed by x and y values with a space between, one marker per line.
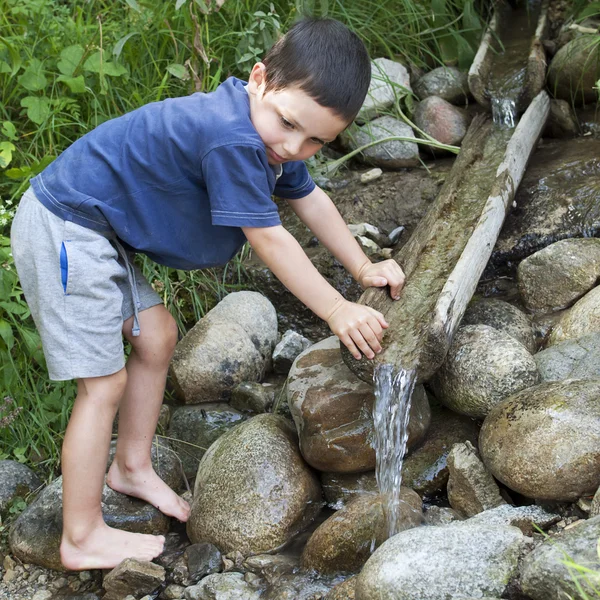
pixel 239 181
pixel 294 182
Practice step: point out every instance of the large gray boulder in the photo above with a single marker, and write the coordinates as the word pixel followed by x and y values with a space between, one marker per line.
pixel 448 83
pixel 253 491
pixel 554 277
pixel 390 81
pixel 545 574
pixel 529 519
pixel 344 542
pixel 232 343
pixel 483 367
pixel 544 442
pixel 332 409
pixel 582 319
pixel 16 481
pixel 571 359
pixel 441 563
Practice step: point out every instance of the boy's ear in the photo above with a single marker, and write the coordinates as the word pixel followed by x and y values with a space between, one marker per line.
pixel 258 78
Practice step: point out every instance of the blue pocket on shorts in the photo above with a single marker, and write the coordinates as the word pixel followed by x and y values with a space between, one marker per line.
pixel 64 267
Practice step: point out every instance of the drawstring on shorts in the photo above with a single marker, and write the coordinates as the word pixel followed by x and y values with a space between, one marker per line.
pixel 135 330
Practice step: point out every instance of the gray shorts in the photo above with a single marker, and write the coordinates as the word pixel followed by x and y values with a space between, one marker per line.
pixel 79 285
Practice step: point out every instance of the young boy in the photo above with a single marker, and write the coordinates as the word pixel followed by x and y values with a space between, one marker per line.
pixel 185 181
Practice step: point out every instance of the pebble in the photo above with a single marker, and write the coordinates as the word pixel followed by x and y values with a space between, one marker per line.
pixel 42 595
pixel 371 175
pixel 173 592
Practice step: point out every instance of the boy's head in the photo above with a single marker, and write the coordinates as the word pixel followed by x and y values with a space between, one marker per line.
pixel 309 88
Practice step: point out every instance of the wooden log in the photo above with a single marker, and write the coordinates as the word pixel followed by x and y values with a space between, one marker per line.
pixel 448 251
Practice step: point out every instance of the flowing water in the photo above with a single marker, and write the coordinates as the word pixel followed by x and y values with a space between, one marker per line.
pixel 393 391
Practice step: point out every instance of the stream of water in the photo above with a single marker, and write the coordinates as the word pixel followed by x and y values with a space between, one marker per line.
pixel 393 391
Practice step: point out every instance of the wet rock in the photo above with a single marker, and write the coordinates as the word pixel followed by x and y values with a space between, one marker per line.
pixel 253 492
pixel 554 277
pixel 595 505
pixel 504 317
pixel 440 515
pixel 172 592
pixel 571 359
pixel 286 351
pixel 296 587
pixel 558 198
pixel 389 155
pixel 426 469
pixel 544 574
pixel 341 488
pixel 133 577
pixel 16 481
pixel 471 488
pixel 344 542
pixel 435 563
pixel 222 586
pixel 35 535
pixel 582 319
pixel 527 518
pixel 194 428
pixel 202 559
pixel 441 120
pixel 253 397
pixel 343 591
pixel 332 410
pixel 483 367
pixel 544 442
pixel 562 121
pixel 389 81
pixel 232 343
pixel 574 70
pixel 448 83
pixel 271 566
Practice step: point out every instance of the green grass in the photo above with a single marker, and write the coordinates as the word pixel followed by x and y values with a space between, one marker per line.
pixel 67 66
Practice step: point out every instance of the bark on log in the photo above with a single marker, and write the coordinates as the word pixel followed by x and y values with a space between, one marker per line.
pixel 444 258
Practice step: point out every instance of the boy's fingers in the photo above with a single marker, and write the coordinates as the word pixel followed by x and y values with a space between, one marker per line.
pixel 371 338
pixel 380 318
pixel 360 341
pixel 347 341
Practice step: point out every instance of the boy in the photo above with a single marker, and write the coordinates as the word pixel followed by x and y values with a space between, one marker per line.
pixel 185 181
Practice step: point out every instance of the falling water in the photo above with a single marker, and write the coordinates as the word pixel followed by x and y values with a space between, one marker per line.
pixel 393 391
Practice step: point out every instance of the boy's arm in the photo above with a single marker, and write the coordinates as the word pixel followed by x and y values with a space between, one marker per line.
pixel 358 327
pixel 320 215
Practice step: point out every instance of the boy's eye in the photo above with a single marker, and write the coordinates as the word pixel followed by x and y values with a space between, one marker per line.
pixel 286 123
pixel 317 141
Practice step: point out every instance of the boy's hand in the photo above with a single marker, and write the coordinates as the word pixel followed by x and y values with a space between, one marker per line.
pixel 358 327
pixel 387 272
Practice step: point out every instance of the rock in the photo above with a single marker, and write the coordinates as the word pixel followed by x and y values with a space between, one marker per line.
pixel 172 592
pixel 426 469
pixel 332 407
pixel 232 343
pixel 133 577
pixel 296 587
pixel 341 488
pixel 582 319
pixel 554 277
pixel 222 586
pixel 35 535
pixel 343 591
pixel 562 121
pixel 448 83
pixel 557 198
pixel 202 559
pixel 371 175
pixel 440 515
pixel 595 506
pixel 344 542
pixel 483 367
pixel 527 518
pixel 271 566
pixel 441 120
pixel 16 481
pixel 574 70
pixel 436 563
pixel 42 595
pixel 286 351
pixel 253 492
pixel 471 488
pixel 571 359
pixel 544 442
pixel 253 397
pixel 544 574
pixel 197 427
pixel 389 155
pixel 504 317
pixel 389 81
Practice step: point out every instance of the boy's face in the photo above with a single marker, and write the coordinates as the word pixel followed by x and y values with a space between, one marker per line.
pixel 290 123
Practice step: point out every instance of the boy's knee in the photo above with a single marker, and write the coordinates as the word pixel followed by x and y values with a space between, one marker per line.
pixel 158 346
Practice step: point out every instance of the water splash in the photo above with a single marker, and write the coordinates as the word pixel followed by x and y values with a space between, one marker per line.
pixel 393 392
pixel 504 112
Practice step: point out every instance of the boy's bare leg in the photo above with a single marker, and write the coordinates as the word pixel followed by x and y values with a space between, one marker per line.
pixel 87 542
pixel 131 471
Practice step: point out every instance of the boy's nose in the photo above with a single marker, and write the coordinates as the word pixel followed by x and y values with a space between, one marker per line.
pixel 292 147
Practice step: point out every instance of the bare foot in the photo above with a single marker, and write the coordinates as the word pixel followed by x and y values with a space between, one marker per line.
pixel 148 486
pixel 105 547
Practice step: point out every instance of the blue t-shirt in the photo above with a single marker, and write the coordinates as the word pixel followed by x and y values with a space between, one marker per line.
pixel 175 179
